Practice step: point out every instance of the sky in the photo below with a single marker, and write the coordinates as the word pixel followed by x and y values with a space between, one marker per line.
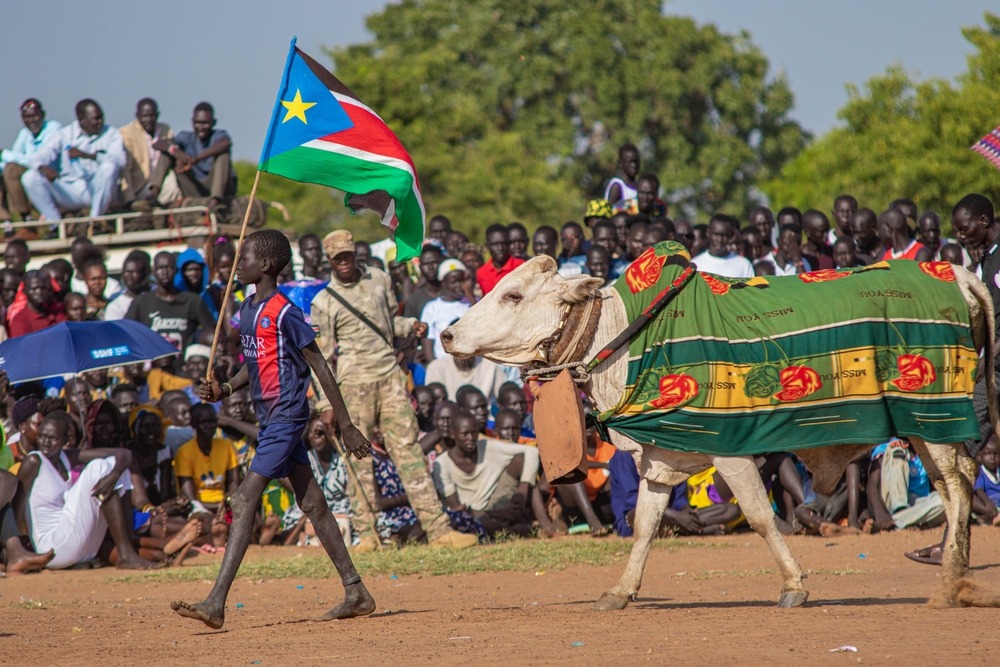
pixel 231 52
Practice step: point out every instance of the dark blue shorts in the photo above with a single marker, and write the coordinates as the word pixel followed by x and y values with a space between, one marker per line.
pixel 279 445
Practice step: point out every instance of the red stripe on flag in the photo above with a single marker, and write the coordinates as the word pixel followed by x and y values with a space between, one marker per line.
pixel 370 134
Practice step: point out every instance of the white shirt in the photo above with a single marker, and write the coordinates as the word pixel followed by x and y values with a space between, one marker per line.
pixel 107 145
pixel 789 269
pixel 730 266
pixel 439 315
pixel 118 307
pixel 485 376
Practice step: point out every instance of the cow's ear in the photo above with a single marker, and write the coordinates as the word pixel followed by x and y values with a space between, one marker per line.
pixel 543 264
pixel 577 288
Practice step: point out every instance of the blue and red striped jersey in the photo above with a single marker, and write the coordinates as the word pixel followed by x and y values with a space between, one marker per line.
pixel 272 334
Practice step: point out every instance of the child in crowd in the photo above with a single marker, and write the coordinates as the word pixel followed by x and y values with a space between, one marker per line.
pixel 986 496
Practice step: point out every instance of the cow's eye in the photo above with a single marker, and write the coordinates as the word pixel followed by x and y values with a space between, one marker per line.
pixel 513 298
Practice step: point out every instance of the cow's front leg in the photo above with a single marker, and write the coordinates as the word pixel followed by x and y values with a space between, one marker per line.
pixel 744 481
pixel 650 504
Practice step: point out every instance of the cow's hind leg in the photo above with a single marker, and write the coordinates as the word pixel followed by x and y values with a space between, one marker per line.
pixel 953 473
pixel 650 504
pixel 744 481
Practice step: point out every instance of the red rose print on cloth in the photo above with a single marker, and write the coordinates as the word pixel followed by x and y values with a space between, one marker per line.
pixel 823 275
pixel 675 389
pixel 940 270
pixel 644 271
pixel 916 372
pixel 716 285
pixel 797 382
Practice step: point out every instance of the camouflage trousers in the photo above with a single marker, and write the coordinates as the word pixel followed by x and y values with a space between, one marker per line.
pixel 386 404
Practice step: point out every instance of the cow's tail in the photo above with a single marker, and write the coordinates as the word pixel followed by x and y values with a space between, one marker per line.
pixel 985 302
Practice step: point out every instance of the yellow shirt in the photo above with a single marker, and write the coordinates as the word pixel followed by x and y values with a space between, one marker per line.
pixel 207 472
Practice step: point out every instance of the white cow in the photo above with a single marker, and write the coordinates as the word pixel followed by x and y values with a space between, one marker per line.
pixel 515 323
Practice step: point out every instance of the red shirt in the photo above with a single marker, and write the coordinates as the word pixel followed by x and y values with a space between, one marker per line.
pixel 909 252
pixel 488 275
pixel 29 320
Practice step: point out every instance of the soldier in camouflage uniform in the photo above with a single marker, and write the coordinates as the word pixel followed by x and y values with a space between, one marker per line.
pixel 374 387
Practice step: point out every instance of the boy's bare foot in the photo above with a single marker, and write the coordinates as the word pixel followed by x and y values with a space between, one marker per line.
pixel 184 537
pixel 831 529
pixel 357 602
pixel 29 562
pixel 213 618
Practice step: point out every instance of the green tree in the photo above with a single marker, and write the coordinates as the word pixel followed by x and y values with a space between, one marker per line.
pixel 903 138
pixel 514 109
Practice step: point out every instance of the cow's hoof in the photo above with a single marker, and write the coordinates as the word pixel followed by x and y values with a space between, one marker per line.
pixel 611 602
pixel 791 599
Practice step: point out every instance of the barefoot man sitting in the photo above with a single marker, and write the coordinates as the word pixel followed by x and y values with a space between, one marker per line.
pixel 279 348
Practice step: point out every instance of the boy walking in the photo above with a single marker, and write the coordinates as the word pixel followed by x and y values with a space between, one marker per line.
pixel 280 349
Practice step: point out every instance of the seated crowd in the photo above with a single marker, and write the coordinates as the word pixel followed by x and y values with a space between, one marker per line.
pixel 126 465
pixel 90 168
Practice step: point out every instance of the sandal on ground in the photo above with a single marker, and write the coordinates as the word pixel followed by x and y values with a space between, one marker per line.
pixel 928 555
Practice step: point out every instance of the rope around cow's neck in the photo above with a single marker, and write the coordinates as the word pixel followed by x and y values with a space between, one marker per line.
pixel 580 371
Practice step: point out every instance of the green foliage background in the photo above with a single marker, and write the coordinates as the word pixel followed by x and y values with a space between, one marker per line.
pixel 906 138
pixel 514 109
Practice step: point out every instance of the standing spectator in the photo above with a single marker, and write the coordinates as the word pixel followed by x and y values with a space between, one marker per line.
pixel 684 233
pixel 201 159
pixel 894 233
pixel 817 249
pixel 864 228
pixel 719 259
pixel 762 218
pixel 173 314
pixel 571 237
pixel 929 233
pixel 845 255
pixel 95 275
pixel 438 228
pixel 41 310
pixel 451 304
pixel 786 258
pixel 624 186
pixel 14 161
pixel 501 261
pixel 83 251
pixel 135 281
pixel 456 243
pixel 16 256
pixel 544 241
pixel 139 138
pixel 311 252
pixel 429 287
pixel 358 311
pixel 908 208
pixel 90 157
pixel 844 208
pixel 518 234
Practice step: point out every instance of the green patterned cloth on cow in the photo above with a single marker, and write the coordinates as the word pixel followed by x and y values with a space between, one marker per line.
pixel 783 363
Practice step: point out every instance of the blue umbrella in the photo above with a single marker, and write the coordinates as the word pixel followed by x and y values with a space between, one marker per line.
pixel 75 347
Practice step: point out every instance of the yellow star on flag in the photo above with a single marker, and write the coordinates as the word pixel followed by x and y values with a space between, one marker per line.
pixel 296 108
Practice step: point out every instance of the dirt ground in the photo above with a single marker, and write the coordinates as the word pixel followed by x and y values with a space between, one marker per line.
pixel 711 602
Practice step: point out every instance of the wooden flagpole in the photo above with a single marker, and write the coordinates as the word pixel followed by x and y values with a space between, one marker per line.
pixel 232 275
